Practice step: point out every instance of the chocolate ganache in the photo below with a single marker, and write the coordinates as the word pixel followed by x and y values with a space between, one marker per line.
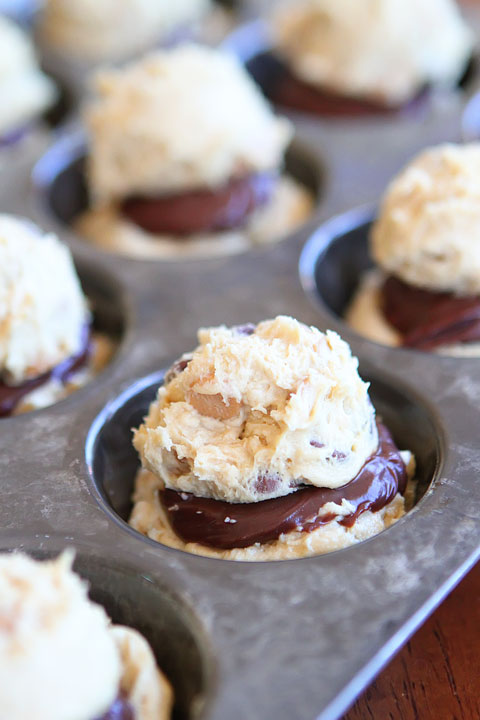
pixel 11 395
pixel 427 319
pixel 202 210
pixel 226 526
pixel 284 88
pixel 120 710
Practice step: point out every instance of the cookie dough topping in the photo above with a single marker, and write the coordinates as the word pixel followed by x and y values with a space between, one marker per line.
pixel 43 313
pixel 180 120
pixel 58 659
pixel 385 50
pixel 427 230
pixel 256 412
pixel 25 91
pixel 114 29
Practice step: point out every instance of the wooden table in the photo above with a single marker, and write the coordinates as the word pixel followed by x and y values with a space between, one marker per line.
pixel 436 676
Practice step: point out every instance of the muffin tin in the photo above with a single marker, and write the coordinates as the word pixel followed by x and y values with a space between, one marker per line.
pixel 294 639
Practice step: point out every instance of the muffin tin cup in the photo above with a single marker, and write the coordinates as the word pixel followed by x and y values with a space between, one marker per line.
pixel 135 597
pixel 292 639
pixel 61 193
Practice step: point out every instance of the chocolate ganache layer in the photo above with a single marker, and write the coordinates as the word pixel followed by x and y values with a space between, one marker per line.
pixel 286 89
pixel 427 319
pixel 11 395
pixel 203 210
pixel 226 526
pixel 120 710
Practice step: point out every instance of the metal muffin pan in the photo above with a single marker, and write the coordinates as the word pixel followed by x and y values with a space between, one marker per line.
pixel 279 640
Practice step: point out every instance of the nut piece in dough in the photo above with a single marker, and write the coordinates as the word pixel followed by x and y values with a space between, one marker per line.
pixel 213 405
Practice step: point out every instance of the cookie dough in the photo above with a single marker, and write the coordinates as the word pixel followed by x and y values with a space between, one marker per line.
pixel 265 427
pixel 176 120
pixel 429 219
pixel 47 346
pixel 253 415
pixel 188 120
pixel 425 291
pixel 43 312
pixel 24 90
pixel 61 646
pixel 382 50
pixel 113 29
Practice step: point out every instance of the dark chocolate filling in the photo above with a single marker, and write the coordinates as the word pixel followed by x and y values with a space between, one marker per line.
pixel 226 526
pixel 200 211
pixel 427 319
pixel 120 710
pixel 11 395
pixel 286 89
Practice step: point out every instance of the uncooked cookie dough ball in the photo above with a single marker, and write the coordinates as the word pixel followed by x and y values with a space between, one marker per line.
pixel 43 312
pixel 382 50
pixel 48 348
pixel 113 29
pixel 252 425
pixel 25 91
pixel 425 292
pixel 255 415
pixel 426 232
pixel 186 155
pixel 61 659
pixel 177 120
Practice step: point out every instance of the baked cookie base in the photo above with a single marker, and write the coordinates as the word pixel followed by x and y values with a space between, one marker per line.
pixel 149 518
pixel 365 316
pixel 107 228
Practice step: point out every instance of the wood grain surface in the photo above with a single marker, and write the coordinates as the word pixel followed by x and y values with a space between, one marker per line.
pixel 436 676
